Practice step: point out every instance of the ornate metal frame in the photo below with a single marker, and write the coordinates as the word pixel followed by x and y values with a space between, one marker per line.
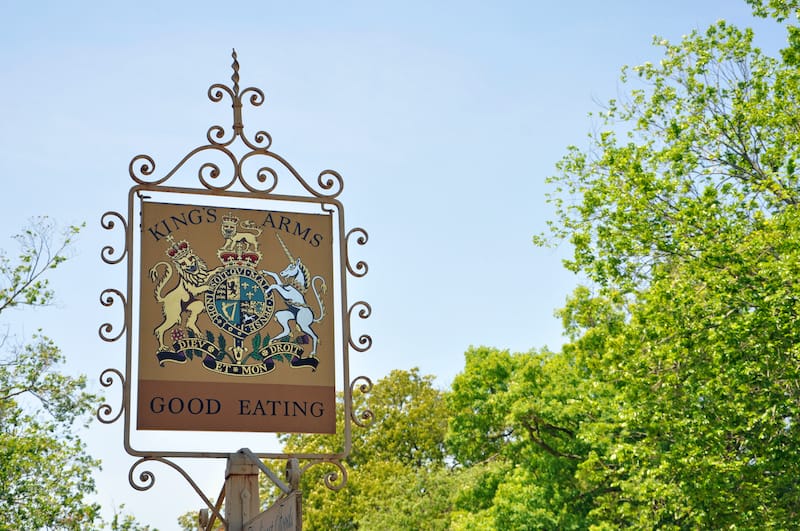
pixel 329 186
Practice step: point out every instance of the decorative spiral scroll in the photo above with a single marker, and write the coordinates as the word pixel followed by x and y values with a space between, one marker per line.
pixel 331 180
pixel 334 480
pixel 265 174
pixel 107 222
pixel 361 267
pixel 366 417
pixel 217 91
pixel 142 166
pixel 104 411
pixel 261 175
pixel 256 96
pixel 209 172
pixel 216 134
pixel 147 479
pixel 364 341
pixel 261 140
pixel 107 299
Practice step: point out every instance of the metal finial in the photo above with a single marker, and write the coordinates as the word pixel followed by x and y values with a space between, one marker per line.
pixel 237 101
pixel 235 76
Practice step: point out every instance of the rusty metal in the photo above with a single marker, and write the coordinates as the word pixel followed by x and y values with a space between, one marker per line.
pixel 366 417
pixel 238 178
pixel 147 479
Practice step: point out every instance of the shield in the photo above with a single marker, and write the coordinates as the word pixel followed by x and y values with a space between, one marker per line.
pixel 237 300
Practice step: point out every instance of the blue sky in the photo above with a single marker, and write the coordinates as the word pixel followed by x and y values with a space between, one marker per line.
pixel 444 119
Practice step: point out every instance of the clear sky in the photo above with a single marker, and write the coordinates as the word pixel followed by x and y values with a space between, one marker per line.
pixel 444 119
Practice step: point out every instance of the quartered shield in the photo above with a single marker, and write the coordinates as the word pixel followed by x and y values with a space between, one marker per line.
pixel 237 300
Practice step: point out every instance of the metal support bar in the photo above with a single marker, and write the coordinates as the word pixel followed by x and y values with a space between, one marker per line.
pixel 207 520
pixel 265 469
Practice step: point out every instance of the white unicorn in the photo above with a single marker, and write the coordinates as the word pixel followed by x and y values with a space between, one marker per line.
pixel 292 285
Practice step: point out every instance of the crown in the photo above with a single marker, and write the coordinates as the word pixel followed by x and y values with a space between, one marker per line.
pixel 178 250
pixel 230 218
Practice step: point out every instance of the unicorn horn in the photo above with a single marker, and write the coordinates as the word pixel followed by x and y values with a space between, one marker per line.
pixel 285 250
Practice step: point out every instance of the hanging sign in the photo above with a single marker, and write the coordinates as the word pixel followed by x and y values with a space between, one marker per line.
pixel 236 331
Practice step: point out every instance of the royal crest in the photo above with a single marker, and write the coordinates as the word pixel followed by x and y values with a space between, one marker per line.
pixel 249 311
pixel 239 243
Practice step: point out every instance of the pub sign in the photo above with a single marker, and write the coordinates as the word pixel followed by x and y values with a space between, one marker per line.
pixel 235 328
pixel 236 312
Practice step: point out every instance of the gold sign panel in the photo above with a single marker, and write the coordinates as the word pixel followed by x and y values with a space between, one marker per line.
pixel 236 328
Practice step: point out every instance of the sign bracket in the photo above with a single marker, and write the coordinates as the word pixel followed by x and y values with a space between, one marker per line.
pixel 239 177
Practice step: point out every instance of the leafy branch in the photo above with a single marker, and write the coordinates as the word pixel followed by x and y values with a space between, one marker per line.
pixel 22 282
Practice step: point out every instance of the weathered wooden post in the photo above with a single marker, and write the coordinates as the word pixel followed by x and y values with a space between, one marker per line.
pixel 241 491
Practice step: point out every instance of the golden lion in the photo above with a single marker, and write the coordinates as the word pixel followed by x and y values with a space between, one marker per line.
pixel 236 237
pixel 184 297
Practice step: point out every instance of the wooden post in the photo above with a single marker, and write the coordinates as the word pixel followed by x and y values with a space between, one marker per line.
pixel 241 491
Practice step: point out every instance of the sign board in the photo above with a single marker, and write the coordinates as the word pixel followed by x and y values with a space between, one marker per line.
pixel 236 331
pixel 284 515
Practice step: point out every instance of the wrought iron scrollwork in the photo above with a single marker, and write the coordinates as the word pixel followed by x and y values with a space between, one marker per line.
pixel 146 479
pixel 329 183
pixel 366 417
pixel 334 480
pixel 364 340
pixel 107 222
pixel 361 267
pixel 107 298
pixel 143 166
pixel 104 411
pixel 252 166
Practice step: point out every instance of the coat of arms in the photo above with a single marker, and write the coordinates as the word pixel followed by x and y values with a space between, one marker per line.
pixel 255 317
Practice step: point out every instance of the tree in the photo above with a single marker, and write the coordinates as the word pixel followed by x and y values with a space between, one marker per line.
pixel 675 403
pixel 45 471
pixel 397 476
pixel 513 428
pixel 683 215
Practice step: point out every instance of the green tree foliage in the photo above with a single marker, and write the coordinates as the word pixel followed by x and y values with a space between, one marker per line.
pixel 683 214
pixel 397 476
pixel 778 9
pixel 703 377
pixel 675 403
pixel 705 146
pixel 45 471
pixel 513 426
